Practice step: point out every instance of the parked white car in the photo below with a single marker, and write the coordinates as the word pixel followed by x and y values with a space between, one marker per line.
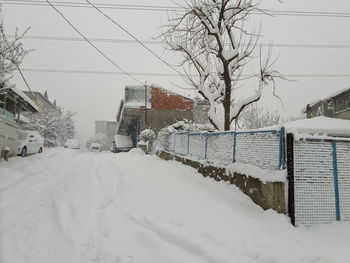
pixel 122 143
pixel 72 144
pixel 29 142
pixel 95 147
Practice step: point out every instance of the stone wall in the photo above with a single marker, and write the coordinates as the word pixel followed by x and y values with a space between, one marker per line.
pixel 267 195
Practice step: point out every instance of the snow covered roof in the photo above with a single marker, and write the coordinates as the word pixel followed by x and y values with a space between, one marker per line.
pixel 326 98
pixel 319 125
pixel 24 97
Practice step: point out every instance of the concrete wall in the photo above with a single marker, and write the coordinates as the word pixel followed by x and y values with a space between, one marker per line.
pixel 157 119
pixel 267 195
pixel 343 115
pixel 8 135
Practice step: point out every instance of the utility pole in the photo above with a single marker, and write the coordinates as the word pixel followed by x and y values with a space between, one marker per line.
pixel 145 105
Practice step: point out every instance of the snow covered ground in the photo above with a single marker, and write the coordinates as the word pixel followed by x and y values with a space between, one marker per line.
pixel 70 206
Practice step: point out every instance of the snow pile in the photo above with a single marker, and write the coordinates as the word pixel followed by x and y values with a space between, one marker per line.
pixel 264 175
pixel 70 206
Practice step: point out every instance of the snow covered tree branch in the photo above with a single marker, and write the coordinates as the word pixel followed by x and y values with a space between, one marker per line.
pixel 11 54
pixel 216 46
pixel 52 124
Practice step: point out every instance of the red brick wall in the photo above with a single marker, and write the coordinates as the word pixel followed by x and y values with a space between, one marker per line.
pixel 162 100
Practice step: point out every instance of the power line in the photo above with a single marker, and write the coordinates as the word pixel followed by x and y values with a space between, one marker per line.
pixel 155 42
pixel 136 39
pixel 171 8
pixel 95 72
pixel 96 48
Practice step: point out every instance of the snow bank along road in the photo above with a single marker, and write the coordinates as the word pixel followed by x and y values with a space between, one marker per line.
pixel 69 206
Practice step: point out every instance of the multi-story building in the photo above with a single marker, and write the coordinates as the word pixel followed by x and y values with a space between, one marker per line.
pixel 153 107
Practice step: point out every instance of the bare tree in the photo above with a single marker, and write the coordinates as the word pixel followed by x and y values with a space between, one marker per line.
pixel 255 117
pixel 216 45
pixel 11 54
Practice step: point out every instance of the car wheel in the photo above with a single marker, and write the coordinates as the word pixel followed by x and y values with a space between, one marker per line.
pixel 40 150
pixel 24 152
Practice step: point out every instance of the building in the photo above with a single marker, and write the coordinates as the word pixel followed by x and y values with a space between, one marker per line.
pixel 42 101
pixel 107 128
pixel 13 103
pixel 336 105
pixel 153 107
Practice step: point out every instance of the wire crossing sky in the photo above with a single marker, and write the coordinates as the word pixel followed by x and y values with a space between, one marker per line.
pixel 308 38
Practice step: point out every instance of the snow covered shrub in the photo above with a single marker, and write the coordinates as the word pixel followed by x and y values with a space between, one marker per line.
pixel 165 134
pixel 147 135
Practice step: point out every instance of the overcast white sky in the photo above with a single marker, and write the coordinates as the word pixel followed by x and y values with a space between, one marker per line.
pixel 97 96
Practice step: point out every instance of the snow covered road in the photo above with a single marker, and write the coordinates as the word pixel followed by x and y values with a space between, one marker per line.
pixel 69 206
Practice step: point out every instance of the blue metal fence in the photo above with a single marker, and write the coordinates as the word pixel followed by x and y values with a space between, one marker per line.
pixel 321 181
pixel 265 149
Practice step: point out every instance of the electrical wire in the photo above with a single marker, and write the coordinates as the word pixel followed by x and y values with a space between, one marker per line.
pixel 91 44
pixel 136 39
pixel 172 8
pixel 155 42
pixel 95 72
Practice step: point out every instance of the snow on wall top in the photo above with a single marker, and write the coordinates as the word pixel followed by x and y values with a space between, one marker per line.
pixel 326 98
pixel 320 125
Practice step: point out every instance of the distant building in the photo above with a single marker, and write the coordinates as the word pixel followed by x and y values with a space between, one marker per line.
pixel 336 105
pixel 107 128
pixel 41 100
pixel 153 107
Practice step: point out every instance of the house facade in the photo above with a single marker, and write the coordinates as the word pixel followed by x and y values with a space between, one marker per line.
pixel 41 100
pixel 153 107
pixel 13 102
pixel 336 105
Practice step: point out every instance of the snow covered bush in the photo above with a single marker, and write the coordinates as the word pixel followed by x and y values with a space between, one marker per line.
pixel 164 135
pixel 147 135
pixel 54 124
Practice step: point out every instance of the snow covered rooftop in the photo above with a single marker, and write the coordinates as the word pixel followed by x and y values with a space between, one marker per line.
pixel 326 98
pixel 24 97
pixel 319 125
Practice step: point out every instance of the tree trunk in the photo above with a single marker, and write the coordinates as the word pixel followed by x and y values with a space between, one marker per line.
pixel 227 99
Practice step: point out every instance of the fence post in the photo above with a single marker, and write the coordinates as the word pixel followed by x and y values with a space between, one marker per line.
pixel 281 161
pixel 206 146
pixel 290 171
pixel 336 183
pixel 234 147
pixel 188 143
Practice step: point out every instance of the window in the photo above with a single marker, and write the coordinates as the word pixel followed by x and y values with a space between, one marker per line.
pixel 341 102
